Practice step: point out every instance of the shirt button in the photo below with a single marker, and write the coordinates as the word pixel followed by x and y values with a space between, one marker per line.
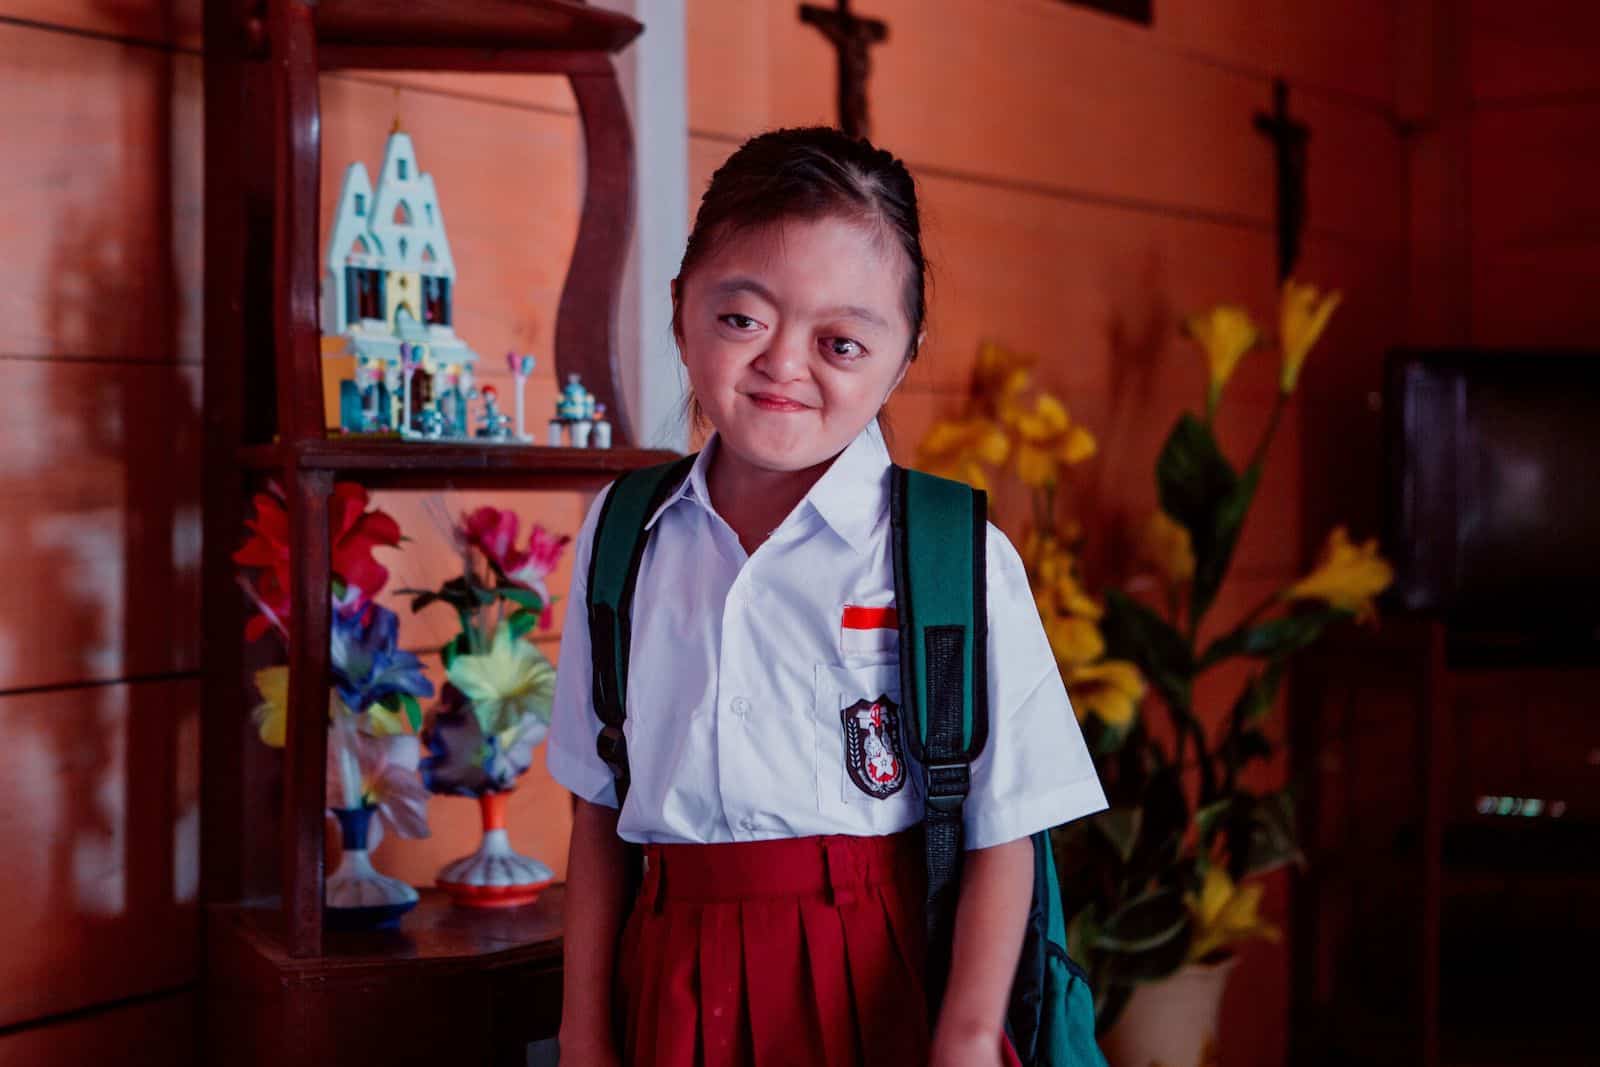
pixel 741 707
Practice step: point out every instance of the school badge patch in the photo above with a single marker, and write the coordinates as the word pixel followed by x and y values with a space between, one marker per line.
pixel 873 753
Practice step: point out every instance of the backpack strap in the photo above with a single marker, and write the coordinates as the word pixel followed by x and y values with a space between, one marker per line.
pixel 940 529
pixel 619 540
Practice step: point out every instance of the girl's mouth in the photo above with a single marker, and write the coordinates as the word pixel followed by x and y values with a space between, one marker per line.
pixel 769 402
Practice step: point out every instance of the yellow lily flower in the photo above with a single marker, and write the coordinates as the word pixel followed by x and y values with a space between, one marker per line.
pixel 1302 316
pixel 1110 690
pixel 1225 914
pixel 1347 576
pixel 271 716
pixel 1047 440
pixel 1053 575
pixel 1165 544
pixel 1002 374
pixel 1227 335
pixel 960 448
pixel 506 684
pixel 1075 642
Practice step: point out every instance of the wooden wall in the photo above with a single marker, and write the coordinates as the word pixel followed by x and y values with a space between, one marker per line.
pixel 1085 182
pixel 1534 166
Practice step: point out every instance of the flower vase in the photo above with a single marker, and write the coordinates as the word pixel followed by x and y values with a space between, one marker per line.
pixel 495 876
pixel 1171 1022
pixel 357 897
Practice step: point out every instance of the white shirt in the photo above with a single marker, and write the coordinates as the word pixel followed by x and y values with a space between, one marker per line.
pixel 740 670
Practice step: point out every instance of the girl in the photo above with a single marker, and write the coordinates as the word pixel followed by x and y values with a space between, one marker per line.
pixel 781 916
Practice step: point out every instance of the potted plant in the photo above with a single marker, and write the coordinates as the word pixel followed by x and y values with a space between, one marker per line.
pixel 1162 887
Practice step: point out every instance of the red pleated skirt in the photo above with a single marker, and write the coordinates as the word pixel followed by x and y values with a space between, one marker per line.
pixel 785 953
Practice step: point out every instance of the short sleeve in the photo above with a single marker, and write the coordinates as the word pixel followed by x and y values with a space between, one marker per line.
pixel 1035 771
pixel 574 727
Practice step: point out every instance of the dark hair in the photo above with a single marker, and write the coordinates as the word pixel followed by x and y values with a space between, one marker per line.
pixel 813 172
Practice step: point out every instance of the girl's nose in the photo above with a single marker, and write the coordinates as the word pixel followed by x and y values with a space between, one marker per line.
pixel 786 358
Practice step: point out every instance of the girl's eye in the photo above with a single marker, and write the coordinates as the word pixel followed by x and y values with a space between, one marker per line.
pixel 738 322
pixel 843 347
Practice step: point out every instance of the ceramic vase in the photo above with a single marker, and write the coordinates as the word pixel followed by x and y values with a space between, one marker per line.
pixel 495 876
pixel 357 897
pixel 1172 1022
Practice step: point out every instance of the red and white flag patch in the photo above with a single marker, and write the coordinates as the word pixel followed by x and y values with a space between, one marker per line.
pixel 867 631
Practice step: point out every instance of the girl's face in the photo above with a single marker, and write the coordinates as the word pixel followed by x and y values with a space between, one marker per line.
pixel 794 335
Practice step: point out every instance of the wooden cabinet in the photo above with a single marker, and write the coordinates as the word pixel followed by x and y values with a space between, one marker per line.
pixel 280 988
pixel 1450 813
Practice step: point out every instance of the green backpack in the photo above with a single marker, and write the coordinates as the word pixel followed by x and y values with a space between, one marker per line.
pixel 939 529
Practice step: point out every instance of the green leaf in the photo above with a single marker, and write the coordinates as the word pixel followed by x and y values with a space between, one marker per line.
pixel 1226 523
pixel 413 711
pixel 1120 826
pixel 1273 639
pixel 524 598
pixel 521 621
pixel 1134 632
pixel 457 646
pixel 1208 818
pixel 1147 938
pixel 1269 839
pixel 1259 694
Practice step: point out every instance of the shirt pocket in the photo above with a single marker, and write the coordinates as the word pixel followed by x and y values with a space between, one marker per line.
pixel 865 777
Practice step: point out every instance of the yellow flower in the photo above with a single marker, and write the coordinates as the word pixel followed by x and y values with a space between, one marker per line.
pixel 1227 335
pixel 271 716
pixel 1001 374
pixel 1047 439
pixel 506 684
pixel 1110 690
pixel 1225 914
pixel 1074 641
pixel 1053 574
pixel 381 722
pixel 1347 576
pixel 1165 543
pixel 1302 317
pixel 959 448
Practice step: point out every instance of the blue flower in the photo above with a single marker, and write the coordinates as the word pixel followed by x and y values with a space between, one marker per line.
pixel 464 761
pixel 367 665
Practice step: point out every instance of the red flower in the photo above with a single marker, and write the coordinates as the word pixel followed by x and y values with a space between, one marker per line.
pixel 354 530
pixel 493 532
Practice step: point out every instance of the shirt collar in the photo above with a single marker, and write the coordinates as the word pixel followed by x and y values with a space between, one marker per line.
pixel 851 496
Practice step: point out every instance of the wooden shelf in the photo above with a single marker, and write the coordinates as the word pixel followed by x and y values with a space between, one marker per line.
pixel 398 464
pixel 501 25
pixel 481 984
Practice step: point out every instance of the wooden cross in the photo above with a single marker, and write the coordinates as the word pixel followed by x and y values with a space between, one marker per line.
pixel 1288 137
pixel 851 36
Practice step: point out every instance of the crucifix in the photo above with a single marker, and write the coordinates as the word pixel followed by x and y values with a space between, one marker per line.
pixel 1288 137
pixel 850 36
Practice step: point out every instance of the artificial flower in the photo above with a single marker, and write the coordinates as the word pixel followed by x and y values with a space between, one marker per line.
pixel 367 665
pixel 379 772
pixel 1110 690
pixel 1347 576
pixel 1302 316
pixel 961 448
pixel 1001 375
pixel 464 760
pixel 1227 334
pixel 1225 914
pixel 506 685
pixel 1074 641
pixel 493 531
pixel 1165 544
pixel 354 531
pixel 1047 440
pixel 1053 575
pixel 271 716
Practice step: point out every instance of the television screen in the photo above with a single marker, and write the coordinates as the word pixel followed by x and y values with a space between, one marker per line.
pixel 1494 509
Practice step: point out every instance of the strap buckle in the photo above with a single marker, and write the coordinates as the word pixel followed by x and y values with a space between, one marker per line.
pixel 612 747
pixel 947 786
